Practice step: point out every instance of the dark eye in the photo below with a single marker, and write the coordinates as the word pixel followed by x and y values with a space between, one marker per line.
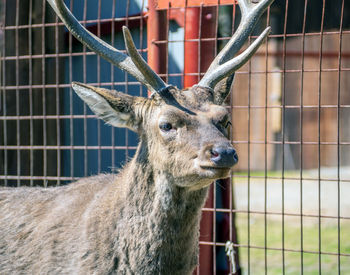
pixel 228 123
pixel 225 123
pixel 166 126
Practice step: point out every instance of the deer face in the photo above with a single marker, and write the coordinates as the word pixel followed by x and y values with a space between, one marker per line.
pixel 184 132
pixel 190 137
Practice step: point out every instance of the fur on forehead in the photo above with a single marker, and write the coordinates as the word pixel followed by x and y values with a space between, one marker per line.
pixel 194 98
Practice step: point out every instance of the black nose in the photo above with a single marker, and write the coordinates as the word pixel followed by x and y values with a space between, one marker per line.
pixel 224 156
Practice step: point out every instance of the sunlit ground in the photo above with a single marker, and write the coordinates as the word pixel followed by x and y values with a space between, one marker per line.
pixel 310 239
pixel 325 240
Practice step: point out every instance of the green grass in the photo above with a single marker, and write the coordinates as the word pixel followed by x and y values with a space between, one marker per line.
pixel 275 174
pixel 311 237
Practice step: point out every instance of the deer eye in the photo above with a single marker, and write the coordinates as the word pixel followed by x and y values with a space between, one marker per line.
pixel 228 123
pixel 224 123
pixel 165 126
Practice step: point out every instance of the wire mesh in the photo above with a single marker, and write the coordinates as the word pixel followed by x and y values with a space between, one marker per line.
pixel 285 207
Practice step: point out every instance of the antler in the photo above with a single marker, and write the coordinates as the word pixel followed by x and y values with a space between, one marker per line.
pixel 222 66
pixel 133 64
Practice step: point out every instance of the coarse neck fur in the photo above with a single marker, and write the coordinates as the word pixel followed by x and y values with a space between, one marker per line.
pixel 165 217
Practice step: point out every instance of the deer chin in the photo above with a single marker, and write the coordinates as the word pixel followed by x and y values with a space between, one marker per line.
pixel 202 177
pixel 207 175
pixel 211 171
pixel 214 172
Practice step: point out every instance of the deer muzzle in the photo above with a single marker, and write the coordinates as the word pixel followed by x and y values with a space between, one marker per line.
pixel 224 157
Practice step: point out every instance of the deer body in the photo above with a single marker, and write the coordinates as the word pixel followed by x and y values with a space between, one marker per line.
pixel 144 220
pixel 97 226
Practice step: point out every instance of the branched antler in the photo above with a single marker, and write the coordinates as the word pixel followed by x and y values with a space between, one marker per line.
pixel 224 64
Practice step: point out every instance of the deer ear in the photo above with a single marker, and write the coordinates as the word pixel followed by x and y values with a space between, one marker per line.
pixel 115 108
pixel 222 89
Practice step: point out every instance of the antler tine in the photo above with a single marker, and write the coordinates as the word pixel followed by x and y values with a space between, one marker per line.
pixel 234 64
pixel 142 73
pixel 250 14
pixel 154 79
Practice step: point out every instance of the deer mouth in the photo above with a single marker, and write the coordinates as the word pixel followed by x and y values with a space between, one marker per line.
pixel 215 172
pixel 215 168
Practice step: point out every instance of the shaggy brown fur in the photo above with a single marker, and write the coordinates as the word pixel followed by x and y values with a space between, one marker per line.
pixel 145 220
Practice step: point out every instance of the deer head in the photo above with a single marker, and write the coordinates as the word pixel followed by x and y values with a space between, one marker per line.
pixel 183 132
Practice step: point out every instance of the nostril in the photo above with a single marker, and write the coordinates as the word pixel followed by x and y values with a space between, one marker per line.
pixel 224 156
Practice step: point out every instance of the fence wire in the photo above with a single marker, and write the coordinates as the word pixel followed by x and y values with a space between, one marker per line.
pixel 285 208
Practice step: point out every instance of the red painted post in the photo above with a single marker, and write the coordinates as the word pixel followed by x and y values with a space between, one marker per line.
pixel 157 31
pixel 195 60
pixel 191 49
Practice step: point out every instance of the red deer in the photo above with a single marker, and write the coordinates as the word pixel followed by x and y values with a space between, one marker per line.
pixel 145 219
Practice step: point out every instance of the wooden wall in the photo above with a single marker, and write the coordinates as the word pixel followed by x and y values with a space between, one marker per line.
pixel 302 77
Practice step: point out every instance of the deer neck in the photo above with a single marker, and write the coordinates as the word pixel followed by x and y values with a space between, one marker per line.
pixel 168 214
